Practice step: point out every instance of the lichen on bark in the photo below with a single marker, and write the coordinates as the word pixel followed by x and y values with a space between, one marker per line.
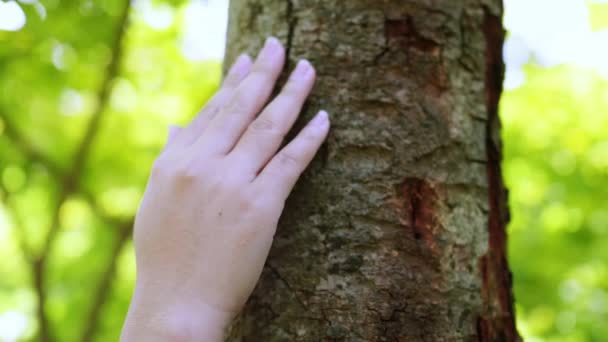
pixel 394 233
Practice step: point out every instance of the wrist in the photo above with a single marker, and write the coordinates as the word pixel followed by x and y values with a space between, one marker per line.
pixel 161 318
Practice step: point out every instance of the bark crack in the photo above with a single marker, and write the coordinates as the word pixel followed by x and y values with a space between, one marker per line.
pixel 280 277
pixel 105 284
pixel 421 199
pixel 497 322
pixel 292 21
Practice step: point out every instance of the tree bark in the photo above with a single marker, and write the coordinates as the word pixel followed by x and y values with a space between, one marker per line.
pixel 397 231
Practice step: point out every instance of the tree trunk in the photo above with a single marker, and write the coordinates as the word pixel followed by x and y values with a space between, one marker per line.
pixel 397 231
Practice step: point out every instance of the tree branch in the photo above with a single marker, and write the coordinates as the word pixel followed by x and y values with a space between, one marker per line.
pixel 72 178
pixel 32 154
pixel 105 283
pixel 26 250
pixel 11 131
pixel 124 228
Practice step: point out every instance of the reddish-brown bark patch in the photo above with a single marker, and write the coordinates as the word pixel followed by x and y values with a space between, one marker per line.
pixel 418 200
pixel 424 54
pixel 404 33
pixel 497 323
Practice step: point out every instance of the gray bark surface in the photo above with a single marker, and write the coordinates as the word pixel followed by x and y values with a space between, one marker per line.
pixel 397 231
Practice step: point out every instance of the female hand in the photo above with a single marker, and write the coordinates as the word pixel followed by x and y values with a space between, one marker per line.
pixel 215 194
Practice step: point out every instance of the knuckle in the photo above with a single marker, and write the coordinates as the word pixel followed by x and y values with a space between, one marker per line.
pixel 237 106
pixel 310 137
pixel 256 205
pixel 262 70
pixel 293 90
pixel 263 204
pixel 290 100
pixel 232 81
pixel 229 184
pixel 288 160
pixel 219 184
pixel 262 124
pixel 209 112
pixel 246 204
pixel 160 168
pixel 185 174
pixel 176 172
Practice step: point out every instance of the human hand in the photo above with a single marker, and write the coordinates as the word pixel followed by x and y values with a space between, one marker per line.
pixel 215 194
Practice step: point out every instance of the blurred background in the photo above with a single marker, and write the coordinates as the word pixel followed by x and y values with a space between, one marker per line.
pixel 85 101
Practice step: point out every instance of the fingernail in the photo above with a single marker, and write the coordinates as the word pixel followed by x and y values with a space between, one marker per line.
pixel 302 69
pixel 321 119
pixel 241 66
pixel 271 47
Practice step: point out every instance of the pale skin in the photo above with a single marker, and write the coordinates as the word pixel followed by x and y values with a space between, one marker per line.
pixel 215 194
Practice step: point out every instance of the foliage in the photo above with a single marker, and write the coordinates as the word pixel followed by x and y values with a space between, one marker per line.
pixel 85 101
pixel 598 14
pixel 68 218
pixel 555 131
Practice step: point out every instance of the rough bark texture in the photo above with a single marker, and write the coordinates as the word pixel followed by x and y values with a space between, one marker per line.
pixel 397 232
